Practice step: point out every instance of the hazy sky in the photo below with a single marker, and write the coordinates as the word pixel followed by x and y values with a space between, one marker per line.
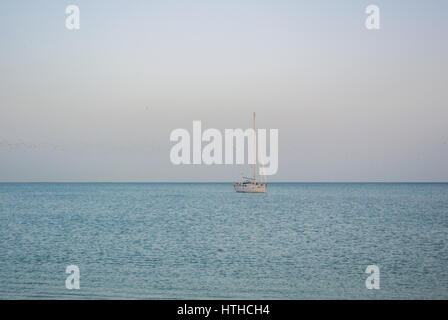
pixel 99 103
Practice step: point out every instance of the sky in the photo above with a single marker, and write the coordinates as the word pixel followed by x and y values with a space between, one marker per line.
pixel 99 103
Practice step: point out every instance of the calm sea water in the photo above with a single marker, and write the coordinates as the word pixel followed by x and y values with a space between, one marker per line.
pixel 164 241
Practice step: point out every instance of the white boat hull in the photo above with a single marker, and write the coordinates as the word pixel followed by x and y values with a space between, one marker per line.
pixel 250 187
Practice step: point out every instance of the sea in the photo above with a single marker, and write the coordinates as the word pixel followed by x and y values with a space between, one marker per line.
pixel 205 241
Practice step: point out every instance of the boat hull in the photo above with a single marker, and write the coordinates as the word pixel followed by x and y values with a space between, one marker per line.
pixel 250 187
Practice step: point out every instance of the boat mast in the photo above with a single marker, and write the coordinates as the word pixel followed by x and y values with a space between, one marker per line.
pixel 255 149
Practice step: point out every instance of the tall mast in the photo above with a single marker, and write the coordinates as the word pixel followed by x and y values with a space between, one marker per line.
pixel 255 149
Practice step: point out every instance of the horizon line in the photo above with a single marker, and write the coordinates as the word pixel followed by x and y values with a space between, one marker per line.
pixel 272 182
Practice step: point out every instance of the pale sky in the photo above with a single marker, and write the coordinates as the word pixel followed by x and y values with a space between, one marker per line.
pixel 99 103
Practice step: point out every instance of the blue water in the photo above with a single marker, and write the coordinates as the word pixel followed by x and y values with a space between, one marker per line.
pixel 193 241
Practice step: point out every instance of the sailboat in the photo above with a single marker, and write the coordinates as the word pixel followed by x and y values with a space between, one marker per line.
pixel 250 185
